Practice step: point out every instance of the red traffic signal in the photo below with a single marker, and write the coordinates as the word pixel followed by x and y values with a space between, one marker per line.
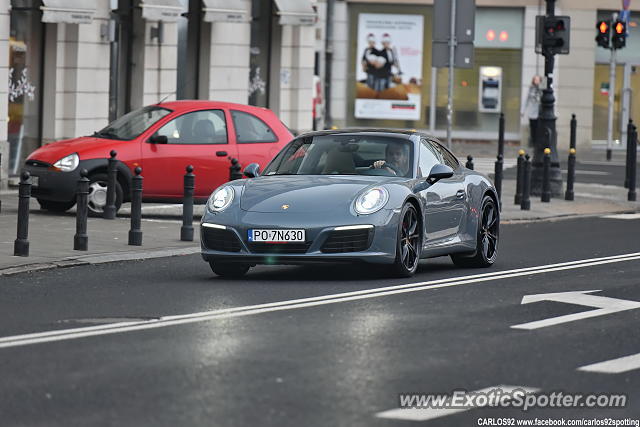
pixel 604 29
pixel 619 38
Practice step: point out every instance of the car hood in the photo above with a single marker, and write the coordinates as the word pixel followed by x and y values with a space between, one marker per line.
pixel 302 193
pixel 54 151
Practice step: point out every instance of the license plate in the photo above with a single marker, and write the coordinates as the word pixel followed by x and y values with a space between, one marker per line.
pixel 35 180
pixel 278 236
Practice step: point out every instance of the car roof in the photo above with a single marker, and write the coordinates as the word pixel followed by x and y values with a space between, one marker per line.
pixel 404 133
pixel 185 104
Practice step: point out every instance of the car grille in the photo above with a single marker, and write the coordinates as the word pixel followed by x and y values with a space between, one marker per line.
pixel 279 248
pixel 220 240
pixel 348 241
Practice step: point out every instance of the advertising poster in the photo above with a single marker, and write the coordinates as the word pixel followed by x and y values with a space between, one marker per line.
pixel 389 66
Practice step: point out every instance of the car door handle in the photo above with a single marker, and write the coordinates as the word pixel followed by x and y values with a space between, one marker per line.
pixel 221 153
pixel 460 194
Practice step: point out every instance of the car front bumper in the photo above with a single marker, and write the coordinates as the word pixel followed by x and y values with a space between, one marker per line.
pixel 321 238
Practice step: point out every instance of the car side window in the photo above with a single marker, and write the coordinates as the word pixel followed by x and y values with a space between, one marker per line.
pixel 428 158
pixel 197 127
pixel 251 129
pixel 449 159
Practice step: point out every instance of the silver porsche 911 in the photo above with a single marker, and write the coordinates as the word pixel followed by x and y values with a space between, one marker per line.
pixel 373 196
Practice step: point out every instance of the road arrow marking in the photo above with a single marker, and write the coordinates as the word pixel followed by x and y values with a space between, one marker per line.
pixel 603 305
pixel 424 414
pixel 614 366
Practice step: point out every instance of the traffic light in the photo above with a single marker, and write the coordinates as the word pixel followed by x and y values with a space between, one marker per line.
pixel 555 34
pixel 604 29
pixel 619 38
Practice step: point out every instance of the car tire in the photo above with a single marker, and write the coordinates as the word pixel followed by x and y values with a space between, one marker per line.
pixel 488 234
pixel 408 242
pixel 52 206
pixel 97 197
pixel 229 270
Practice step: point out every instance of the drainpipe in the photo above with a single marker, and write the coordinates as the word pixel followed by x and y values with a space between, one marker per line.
pixel 328 63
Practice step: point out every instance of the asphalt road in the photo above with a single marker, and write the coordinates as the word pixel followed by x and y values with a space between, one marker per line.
pixel 336 360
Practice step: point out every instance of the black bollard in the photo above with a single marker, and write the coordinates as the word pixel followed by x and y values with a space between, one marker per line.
pixel 498 178
pixel 519 172
pixel 571 174
pixel 109 211
pixel 469 164
pixel 572 137
pixel 525 203
pixel 234 170
pixel 21 245
pixel 81 239
pixel 627 164
pixel 546 177
pixel 186 231
pixel 501 135
pixel 633 164
pixel 135 233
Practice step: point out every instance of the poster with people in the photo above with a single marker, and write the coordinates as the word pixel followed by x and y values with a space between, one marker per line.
pixel 389 66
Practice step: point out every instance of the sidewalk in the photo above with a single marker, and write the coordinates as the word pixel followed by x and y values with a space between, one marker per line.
pixel 51 235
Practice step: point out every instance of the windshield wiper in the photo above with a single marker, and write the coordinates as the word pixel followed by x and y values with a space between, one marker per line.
pixel 106 133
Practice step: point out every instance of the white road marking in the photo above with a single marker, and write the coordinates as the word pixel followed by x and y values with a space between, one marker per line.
pixel 600 163
pixel 623 216
pixel 165 321
pixel 604 305
pixel 424 414
pixel 614 366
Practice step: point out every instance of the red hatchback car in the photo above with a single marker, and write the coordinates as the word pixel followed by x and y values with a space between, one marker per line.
pixel 163 139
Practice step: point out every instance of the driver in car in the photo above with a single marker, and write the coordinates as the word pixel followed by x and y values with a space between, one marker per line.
pixel 397 160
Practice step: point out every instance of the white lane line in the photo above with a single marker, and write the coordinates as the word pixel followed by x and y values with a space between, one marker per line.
pixel 67 334
pixel 587 172
pixel 605 306
pixel 424 414
pixel 623 216
pixel 614 366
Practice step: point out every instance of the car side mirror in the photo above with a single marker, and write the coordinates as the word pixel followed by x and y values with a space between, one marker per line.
pixel 439 172
pixel 252 170
pixel 158 139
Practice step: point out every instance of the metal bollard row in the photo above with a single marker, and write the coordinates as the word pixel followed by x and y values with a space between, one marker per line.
pixel 81 239
pixel 499 165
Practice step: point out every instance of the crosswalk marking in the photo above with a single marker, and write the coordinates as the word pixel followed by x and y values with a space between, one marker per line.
pixel 614 366
pixel 486 165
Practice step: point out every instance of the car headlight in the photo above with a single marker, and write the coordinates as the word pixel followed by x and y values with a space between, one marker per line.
pixel 221 199
pixel 67 164
pixel 371 201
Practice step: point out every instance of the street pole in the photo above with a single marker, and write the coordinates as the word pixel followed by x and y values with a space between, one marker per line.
pixel 612 88
pixel 452 51
pixel 547 137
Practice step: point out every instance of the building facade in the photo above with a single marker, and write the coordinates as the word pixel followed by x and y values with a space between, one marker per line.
pixel 75 65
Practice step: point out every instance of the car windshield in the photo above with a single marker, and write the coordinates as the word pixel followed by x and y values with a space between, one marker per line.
pixel 345 154
pixel 133 124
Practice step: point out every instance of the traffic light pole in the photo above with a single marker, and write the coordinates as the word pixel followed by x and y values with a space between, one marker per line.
pixel 546 135
pixel 452 51
pixel 612 92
